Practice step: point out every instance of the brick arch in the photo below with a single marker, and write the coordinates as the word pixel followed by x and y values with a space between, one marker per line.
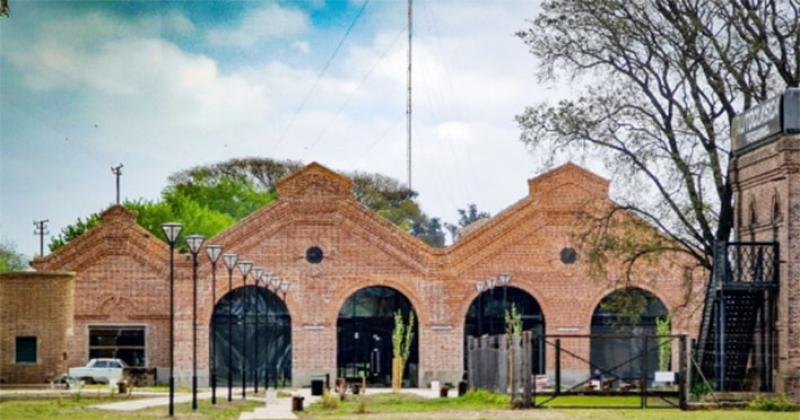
pixel 420 309
pixel 608 291
pixel 292 305
pixel 463 308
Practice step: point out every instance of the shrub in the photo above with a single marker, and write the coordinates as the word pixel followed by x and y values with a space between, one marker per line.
pixel 701 389
pixel 773 403
pixel 330 401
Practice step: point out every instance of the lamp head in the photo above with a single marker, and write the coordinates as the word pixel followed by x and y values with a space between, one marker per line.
pixel 214 252
pixel 230 260
pixel 172 231
pixel 491 282
pixel 245 267
pixel 195 242
pixel 479 286
pixel 257 273
pixel 504 278
pixel 285 287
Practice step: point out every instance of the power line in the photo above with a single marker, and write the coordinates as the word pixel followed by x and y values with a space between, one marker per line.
pixel 40 229
pixel 321 73
pixel 360 85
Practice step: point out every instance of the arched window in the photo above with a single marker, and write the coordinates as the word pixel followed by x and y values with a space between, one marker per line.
pixel 776 208
pixel 753 214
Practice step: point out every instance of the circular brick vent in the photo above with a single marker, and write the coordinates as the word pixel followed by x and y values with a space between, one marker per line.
pixel 569 255
pixel 314 255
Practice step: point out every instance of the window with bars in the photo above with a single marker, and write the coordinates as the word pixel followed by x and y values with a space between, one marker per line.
pixel 115 342
pixel 26 350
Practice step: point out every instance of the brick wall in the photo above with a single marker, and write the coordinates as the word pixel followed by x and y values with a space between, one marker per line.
pixel 122 271
pixel 35 304
pixel 767 193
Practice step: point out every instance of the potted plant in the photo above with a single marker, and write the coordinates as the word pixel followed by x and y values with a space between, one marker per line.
pixel 445 389
pixel 402 336
pixel 664 374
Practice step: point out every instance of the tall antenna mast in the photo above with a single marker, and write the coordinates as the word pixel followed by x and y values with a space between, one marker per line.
pixel 408 101
pixel 117 171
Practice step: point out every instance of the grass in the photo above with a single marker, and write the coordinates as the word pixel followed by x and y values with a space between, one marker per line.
pixel 71 408
pixel 486 405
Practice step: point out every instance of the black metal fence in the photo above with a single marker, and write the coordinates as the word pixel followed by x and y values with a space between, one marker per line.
pixel 643 371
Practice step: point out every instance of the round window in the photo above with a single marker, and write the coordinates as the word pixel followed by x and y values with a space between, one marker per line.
pixel 569 255
pixel 314 255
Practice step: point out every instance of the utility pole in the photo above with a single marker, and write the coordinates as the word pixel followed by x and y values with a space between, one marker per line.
pixel 408 100
pixel 40 228
pixel 117 170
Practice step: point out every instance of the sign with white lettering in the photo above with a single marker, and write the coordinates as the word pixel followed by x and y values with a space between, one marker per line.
pixel 767 120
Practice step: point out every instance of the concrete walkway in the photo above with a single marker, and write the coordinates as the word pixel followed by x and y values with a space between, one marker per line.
pixel 163 400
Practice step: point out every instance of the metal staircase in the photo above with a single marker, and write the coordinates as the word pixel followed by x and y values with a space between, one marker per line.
pixel 736 342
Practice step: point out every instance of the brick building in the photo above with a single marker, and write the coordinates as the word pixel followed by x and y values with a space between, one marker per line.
pixel 349 270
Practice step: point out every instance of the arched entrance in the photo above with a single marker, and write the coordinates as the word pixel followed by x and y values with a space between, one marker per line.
pixel 630 315
pixel 268 328
pixel 486 315
pixel 364 336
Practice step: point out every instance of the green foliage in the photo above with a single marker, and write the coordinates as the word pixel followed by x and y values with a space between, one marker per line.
pixel 701 389
pixel 465 218
pixel 664 343
pixel 208 199
pixel 330 400
pixel 74 230
pixel 10 259
pixel 773 403
pixel 513 322
pixel 402 335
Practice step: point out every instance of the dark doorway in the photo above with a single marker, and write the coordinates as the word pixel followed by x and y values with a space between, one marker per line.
pixel 364 337
pixel 630 315
pixel 486 315
pixel 272 336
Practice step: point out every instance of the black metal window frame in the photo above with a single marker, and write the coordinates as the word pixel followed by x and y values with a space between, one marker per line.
pixel 22 345
pixel 116 347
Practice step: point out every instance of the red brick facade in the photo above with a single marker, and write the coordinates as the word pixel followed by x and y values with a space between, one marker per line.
pixel 122 271
pixel 767 196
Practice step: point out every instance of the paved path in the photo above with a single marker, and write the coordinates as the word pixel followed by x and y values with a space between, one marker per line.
pixel 163 400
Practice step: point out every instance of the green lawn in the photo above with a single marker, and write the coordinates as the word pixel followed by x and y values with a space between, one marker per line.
pixel 484 405
pixel 70 408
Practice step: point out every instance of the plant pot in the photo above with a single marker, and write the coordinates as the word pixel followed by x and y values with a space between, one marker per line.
pixel 444 391
pixel 463 386
pixel 397 373
pixel 122 387
pixel 356 389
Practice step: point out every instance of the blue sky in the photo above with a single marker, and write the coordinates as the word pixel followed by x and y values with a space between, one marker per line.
pixel 163 86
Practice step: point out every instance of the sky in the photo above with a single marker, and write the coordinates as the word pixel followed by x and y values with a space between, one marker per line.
pixel 161 87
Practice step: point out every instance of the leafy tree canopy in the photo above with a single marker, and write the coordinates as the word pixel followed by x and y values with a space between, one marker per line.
pixel 465 218
pixel 208 199
pixel 10 259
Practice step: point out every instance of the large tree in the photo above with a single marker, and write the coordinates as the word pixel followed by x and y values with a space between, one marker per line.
pixel 210 198
pixel 10 259
pixel 660 82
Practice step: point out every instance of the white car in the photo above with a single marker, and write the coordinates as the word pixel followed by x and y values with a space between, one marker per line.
pixel 99 370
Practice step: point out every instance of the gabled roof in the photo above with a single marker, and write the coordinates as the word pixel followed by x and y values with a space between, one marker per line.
pixel 116 222
pixel 569 173
pixel 296 184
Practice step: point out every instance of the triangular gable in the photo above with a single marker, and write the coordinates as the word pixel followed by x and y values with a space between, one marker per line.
pixel 118 233
pixel 569 174
pixel 314 180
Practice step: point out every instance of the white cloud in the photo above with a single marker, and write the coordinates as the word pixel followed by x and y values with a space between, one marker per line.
pixel 268 23
pixel 302 46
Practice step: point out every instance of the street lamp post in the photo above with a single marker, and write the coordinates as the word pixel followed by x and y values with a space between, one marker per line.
pixel 230 263
pixel 265 278
pixel 257 272
pixel 171 232
pixel 280 286
pixel 244 268
pixel 214 252
pixel 195 242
